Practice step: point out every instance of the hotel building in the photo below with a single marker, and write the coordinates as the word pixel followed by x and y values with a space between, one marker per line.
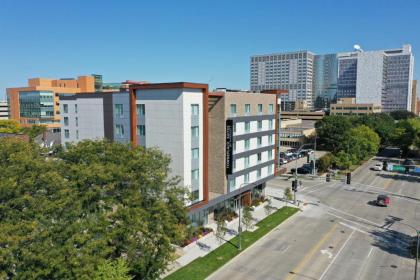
pixel 222 144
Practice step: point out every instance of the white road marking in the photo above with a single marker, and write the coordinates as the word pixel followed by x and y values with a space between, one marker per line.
pixel 370 252
pixel 354 228
pixel 338 253
pixel 384 191
pixel 354 216
pixel 325 251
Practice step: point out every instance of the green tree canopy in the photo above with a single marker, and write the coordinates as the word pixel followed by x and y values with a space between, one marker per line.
pixel 402 115
pixel 61 218
pixel 9 126
pixel 331 131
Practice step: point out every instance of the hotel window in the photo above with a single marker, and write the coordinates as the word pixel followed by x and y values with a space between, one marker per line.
pixel 246 162
pixel 195 153
pixel 77 121
pixel 270 169
pixel 66 121
pixel 194 109
pixel 233 109
pixel 259 125
pixel 247 109
pixel 247 126
pixel 270 139
pixel 195 195
pixel 75 108
pixel 118 110
pixel 259 141
pixel 260 108
pixel 246 178
pixel 194 131
pixel 270 155
pixel 259 157
pixel 247 144
pixel 234 146
pixel 270 124
pixel 119 130
pixel 141 110
pixel 271 108
pixel 194 174
pixel 258 173
pixel 65 108
pixel 141 130
pixel 234 164
pixel 66 133
pixel 232 184
pixel 234 128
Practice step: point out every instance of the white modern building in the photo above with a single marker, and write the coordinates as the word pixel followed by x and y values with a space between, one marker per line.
pixel 4 110
pixel 383 77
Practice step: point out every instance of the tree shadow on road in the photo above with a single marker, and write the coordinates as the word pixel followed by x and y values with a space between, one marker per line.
pixel 392 241
pixel 403 177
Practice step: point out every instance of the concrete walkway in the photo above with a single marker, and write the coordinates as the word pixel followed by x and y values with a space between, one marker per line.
pixel 208 243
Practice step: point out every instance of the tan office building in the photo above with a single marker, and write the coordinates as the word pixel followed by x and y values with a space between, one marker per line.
pixel 348 106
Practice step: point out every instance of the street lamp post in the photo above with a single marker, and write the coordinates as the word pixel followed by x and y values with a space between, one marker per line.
pixel 417 248
pixel 296 179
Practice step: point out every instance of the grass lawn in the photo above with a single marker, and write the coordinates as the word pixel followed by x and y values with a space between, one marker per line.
pixel 204 266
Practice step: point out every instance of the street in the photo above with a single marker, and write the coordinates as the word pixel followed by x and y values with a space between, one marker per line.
pixel 340 234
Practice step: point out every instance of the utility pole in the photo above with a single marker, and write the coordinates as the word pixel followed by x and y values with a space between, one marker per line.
pixel 314 165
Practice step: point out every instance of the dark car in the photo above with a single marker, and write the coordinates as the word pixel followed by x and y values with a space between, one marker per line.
pixel 383 200
pixel 305 169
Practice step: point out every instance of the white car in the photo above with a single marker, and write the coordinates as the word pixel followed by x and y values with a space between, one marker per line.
pixel 377 167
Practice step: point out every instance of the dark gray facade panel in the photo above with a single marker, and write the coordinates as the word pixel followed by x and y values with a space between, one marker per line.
pixel 253 152
pixel 108 117
pixel 253 135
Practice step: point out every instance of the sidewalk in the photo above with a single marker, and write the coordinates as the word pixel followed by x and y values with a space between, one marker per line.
pixel 210 242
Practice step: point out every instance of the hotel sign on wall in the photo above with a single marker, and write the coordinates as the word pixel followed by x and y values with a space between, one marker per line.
pixel 229 146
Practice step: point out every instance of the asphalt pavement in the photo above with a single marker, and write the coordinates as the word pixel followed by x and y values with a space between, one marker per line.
pixel 340 232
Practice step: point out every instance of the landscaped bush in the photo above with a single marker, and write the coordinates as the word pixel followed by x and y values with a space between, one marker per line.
pixel 225 214
pixel 258 201
pixel 195 233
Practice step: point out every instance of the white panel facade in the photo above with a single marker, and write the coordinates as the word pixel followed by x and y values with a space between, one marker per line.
pixel 369 83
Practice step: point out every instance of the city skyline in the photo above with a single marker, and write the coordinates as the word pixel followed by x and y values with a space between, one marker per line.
pixel 163 45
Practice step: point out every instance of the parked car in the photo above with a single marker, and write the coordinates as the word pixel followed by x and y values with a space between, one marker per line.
pixel 383 200
pixel 304 169
pixel 377 167
pixel 283 161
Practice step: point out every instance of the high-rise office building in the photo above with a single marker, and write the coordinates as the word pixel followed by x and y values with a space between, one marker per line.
pixel 383 77
pixel 291 71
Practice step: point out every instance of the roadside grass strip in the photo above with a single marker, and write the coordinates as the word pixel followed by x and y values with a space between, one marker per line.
pixel 202 267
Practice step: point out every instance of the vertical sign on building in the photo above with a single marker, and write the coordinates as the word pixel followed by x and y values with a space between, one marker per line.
pixel 229 146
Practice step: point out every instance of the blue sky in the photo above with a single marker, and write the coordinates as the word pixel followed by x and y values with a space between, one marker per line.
pixel 197 41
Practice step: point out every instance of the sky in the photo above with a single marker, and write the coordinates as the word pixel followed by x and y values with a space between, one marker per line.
pixel 195 41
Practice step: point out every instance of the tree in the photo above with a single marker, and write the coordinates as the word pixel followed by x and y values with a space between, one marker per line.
pixel 363 142
pixel 221 229
pixel 247 217
pixel 331 131
pixel 288 194
pixel 60 219
pixel 10 126
pixel 383 124
pixel 324 163
pixel 112 270
pixel 268 207
pixel 402 115
pixel 342 160
pixel 34 131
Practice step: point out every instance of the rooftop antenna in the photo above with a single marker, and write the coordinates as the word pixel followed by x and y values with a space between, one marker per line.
pixel 357 48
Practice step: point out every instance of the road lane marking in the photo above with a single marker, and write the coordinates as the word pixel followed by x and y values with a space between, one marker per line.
pixel 355 228
pixel 354 216
pixel 338 253
pixel 325 251
pixel 370 252
pixel 314 250
pixel 397 195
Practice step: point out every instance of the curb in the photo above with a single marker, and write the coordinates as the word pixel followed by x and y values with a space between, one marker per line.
pixel 259 240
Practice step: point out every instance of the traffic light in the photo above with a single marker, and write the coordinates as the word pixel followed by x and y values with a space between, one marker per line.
pixel 294 185
pixel 348 178
pixel 328 178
